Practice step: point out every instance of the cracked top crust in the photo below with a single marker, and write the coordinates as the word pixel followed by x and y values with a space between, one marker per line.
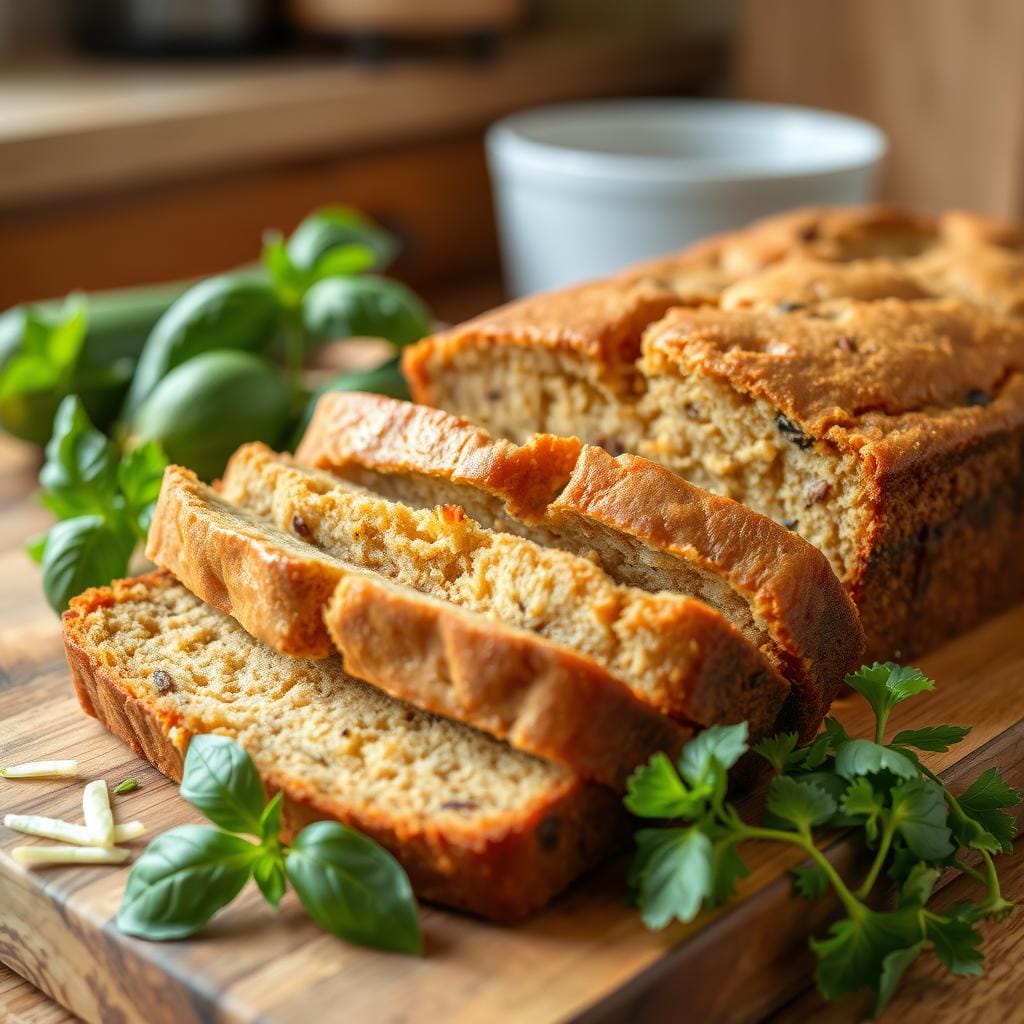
pixel 865 326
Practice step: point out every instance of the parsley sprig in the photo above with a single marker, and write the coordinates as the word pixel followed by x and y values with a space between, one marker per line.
pixel 915 827
pixel 349 885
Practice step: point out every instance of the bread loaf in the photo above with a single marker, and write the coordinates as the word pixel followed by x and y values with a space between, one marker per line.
pixel 854 374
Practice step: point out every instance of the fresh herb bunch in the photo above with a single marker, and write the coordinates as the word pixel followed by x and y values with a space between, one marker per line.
pixel 349 885
pixel 915 827
pixel 204 367
pixel 103 504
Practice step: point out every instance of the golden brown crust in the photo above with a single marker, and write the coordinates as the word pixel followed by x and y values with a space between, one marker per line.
pixel 788 584
pixel 543 698
pixel 894 338
pixel 505 871
pixel 407 438
pixel 241 567
pixel 546 699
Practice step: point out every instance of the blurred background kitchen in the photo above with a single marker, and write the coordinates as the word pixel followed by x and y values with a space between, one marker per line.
pixel 144 140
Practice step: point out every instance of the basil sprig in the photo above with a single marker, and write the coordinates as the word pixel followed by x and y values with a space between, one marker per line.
pixel 349 885
pixel 914 827
pixel 104 504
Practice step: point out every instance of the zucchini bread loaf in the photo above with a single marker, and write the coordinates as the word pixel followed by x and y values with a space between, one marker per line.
pixel 854 374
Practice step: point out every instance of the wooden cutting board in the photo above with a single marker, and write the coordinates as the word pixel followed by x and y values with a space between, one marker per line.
pixel 587 958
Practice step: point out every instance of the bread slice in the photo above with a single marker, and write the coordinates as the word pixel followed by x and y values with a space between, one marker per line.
pixel 647 527
pixel 476 824
pixel 677 654
pixel 544 698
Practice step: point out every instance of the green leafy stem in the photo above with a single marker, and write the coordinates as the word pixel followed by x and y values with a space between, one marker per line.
pixel 915 827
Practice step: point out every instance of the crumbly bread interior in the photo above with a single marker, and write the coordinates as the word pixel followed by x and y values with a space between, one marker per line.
pixel 640 637
pixel 721 440
pixel 307 719
pixel 626 560
pixel 695 426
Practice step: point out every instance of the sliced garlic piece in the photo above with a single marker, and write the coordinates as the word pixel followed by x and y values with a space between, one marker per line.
pixel 40 770
pixel 67 831
pixel 46 855
pixel 99 819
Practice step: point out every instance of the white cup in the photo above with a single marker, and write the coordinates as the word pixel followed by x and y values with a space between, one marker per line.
pixel 583 189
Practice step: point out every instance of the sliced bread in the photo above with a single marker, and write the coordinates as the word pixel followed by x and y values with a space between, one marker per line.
pixel 676 653
pixel 646 527
pixel 542 697
pixel 476 824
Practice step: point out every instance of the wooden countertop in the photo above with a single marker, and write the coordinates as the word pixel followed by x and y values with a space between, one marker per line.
pixel 72 126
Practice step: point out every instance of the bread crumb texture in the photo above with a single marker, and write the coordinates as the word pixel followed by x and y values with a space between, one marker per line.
pixel 306 719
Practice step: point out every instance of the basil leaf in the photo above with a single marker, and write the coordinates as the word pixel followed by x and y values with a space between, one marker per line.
pixel 139 475
pixel 269 873
pixel 80 472
pixel 40 356
pixel 354 888
pixel 289 282
pixel 35 546
pixel 235 312
pixel 270 821
pixel 83 552
pixel 339 227
pixel 182 879
pixel 364 307
pixel 222 782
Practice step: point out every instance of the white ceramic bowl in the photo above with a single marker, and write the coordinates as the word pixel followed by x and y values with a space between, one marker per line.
pixel 585 188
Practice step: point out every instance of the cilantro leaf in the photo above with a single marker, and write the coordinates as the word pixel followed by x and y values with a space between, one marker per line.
pixel 936 737
pixel 885 685
pixel 853 955
pixel 836 733
pixel 919 812
pixel 677 877
pixel 727 867
pixel 957 943
pixel 776 750
pixel 864 757
pixel 862 803
pixel 894 966
pixel 723 744
pixel 655 790
pixel 917 888
pixel 984 804
pixel 810 757
pixel 802 804
pixel 811 881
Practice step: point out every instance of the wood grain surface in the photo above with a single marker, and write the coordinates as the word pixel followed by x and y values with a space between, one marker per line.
pixel 588 957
